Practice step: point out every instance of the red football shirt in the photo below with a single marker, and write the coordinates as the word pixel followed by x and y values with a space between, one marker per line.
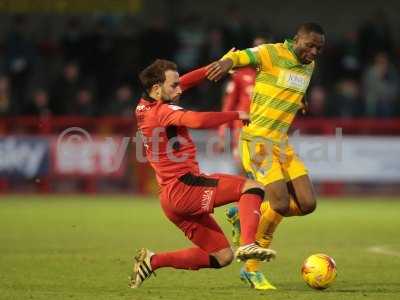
pixel 239 89
pixel 237 95
pixel 164 128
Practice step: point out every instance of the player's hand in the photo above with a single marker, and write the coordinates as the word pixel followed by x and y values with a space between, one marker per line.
pixel 218 69
pixel 244 117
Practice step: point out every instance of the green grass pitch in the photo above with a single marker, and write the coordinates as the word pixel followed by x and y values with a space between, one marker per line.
pixel 68 247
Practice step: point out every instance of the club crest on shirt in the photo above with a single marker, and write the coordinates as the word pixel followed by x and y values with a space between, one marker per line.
pixel 293 80
pixel 142 107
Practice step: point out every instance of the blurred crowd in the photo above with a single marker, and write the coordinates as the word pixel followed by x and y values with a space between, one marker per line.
pixel 92 70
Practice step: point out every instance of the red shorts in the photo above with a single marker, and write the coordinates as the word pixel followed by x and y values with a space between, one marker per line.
pixel 189 200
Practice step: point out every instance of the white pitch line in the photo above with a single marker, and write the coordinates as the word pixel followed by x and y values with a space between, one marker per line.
pixel 383 250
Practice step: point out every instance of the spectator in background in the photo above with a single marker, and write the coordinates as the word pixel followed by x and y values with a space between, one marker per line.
pixel 156 34
pixel 317 102
pixel 191 36
pixel 38 104
pixel 99 57
pixel 236 32
pixel 121 104
pixel 347 60
pixel 113 54
pixel 213 46
pixel 84 102
pixel 21 57
pixel 375 36
pixel 345 101
pixel 7 104
pixel 72 41
pixel 127 52
pixel 381 87
pixel 64 90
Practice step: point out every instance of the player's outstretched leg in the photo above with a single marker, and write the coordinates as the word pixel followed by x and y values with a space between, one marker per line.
pixel 142 268
pixel 146 262
pixel 204 232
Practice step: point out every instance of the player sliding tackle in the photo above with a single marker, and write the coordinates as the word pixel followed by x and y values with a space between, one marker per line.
pixel 187 196
pixel 284 72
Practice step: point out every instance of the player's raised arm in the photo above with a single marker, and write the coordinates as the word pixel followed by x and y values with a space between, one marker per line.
pixel 192 78
pixel 233 59
pixel 174 115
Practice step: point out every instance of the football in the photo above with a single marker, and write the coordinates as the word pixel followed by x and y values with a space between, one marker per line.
pixel 319 271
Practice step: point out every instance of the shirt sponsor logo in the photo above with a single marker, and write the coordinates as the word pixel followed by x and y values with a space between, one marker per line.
pixel 293 80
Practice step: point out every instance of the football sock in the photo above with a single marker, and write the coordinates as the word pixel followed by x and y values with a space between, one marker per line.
pixel 268 222
pixel 188 259
pixel 249 214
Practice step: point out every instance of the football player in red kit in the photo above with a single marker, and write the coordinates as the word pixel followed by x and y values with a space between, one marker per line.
pixel 187 196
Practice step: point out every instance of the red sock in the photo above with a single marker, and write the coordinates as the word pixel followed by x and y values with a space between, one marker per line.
pixel 188 259
pixel 249 214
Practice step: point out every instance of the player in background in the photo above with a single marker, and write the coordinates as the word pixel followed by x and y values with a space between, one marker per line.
pixel 285 70
pixel 187 196
pixel 237 97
